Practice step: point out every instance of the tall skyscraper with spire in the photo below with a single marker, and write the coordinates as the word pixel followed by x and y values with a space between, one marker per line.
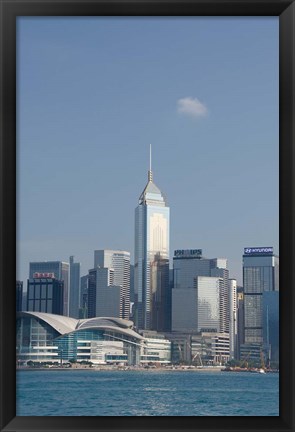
pixel 151 266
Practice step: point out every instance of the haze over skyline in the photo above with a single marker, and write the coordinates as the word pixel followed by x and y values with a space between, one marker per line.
pixel 94 93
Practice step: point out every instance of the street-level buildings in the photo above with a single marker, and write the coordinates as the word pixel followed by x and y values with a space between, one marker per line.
pixel 199 348
pixel 151 266
pixel 156 348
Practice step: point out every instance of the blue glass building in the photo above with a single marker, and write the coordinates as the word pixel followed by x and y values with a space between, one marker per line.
pixel 151 266
pixel 261 297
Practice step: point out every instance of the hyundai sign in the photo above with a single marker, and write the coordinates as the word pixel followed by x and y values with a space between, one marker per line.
pixel 258 251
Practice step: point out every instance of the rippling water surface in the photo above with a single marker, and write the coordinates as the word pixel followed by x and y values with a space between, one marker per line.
pixel 149 393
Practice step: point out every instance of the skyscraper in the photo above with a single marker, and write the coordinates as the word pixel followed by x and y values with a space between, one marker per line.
pixel 151 266
pixel 119 261
pixel 260 275
pixel 61 272
pixel 19 295
pixel 188 290
pixel 83 312
pixel 233 324
pixel 104 298
pixel 240 320
pixel 208 303
pixel 271 323
pixel 45 294
pixel 74 296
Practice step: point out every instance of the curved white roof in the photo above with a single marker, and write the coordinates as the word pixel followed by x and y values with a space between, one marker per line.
pixel 60 323
pixel 63 324
pixel 99 321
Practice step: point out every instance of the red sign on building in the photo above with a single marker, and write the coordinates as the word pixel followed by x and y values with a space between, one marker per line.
pixel 43 275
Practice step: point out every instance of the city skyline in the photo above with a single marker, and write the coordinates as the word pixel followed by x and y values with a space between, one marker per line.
pixel 83 144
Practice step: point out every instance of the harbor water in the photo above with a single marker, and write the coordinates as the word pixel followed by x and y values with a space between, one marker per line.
pixel 146 393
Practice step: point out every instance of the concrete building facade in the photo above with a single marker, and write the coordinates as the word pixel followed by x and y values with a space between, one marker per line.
pixel 233 319
pixel 119 262
pixel 19 296
pixel 74 291
pixel 104 298
pixel 192 296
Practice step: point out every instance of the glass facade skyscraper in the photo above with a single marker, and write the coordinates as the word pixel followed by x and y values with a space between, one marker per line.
pixel 61 272
pixel 151 267
pixel 260 274
pixel 45 294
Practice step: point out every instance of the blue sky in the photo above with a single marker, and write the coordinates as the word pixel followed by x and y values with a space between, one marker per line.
pixel 94 93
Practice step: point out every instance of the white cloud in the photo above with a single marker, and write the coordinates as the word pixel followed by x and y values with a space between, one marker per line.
pixel 192 107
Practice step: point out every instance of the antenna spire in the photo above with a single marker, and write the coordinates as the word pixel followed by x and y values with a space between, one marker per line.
pixel 150 174
pixel 150 157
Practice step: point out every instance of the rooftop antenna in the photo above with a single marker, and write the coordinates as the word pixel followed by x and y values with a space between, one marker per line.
pixel 150 157
pixel 150 174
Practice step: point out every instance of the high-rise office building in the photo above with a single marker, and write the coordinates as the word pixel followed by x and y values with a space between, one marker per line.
pixel 240 320
pixel 119 261
pixel 233 323
pixel 19 295
pixel 208 303
pixel 45 294
pixel 104 298
pixel 219 269
pixel 83 311
pixel 184 310
pixel 151 283
pixel 271 324
pixel 188 265
pixel 24 302
pixel 61 272
pixel 260 275
pixel 132 283
pixel 74 292
pixel 197 309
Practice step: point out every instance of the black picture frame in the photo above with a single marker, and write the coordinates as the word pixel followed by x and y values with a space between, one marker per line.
pixel 10 9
